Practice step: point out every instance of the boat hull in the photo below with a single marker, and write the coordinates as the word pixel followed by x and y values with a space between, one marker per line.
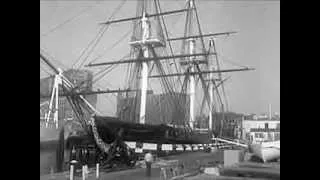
pixel 110 127
pixel 266 151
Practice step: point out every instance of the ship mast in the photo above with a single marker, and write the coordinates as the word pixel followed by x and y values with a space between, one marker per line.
pixel 192 48
pixel 145 44
pixel 144 71
pixel 210 92
pixel 192 86
pixel 212 83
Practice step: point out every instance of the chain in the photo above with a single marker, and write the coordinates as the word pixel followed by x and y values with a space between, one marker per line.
pixel 102 145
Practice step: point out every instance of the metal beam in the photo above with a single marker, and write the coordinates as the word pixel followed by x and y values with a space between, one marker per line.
pixel 148 15
pixel 199 36
pixel 203 72
pixel 92 92
pixel 149 59
pixel 46 60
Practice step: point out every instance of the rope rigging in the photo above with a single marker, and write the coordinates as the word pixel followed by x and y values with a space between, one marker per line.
pixel 134 70
pixel 62 66
pixel 55 28
pixel 99 75
pixel 111 47
pixel 44 69
pixel 97 38
pixel 167 35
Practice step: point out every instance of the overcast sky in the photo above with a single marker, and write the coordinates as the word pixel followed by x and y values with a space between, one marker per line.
pixel 256 45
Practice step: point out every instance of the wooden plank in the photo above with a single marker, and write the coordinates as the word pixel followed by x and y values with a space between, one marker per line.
pixel 199 36
pixel 143 59
pixel 148 15
pixel 202 72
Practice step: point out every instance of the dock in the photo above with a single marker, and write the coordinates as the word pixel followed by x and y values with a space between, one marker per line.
pixel 194 169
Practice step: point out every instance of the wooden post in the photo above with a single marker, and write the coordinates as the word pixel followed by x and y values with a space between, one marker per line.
pixel 72 169
pixel 83 172
pixel 97 171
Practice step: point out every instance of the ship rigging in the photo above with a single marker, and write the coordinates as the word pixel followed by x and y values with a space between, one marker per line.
pixel 152 57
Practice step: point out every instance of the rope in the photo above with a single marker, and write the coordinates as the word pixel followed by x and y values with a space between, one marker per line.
pixel 199 28
pixel 166 31
pixel 112 46
pixel 68 21
pixel 108 69
pixel 94 45
pixel 98 37
pixel 52 59
pixel 46 71
pixel 104 147
pixel 231 62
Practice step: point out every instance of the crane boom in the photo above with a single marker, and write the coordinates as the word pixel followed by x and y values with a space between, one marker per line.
pixel 46 60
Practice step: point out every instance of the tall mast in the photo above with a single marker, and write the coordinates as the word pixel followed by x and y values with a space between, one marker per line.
pixel 143 41
pixel 210 91
pixel 192 48
pixel 144 71
pixel 192 86
pixel 144 44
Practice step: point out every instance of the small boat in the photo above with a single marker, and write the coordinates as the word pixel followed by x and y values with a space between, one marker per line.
pixel 266 151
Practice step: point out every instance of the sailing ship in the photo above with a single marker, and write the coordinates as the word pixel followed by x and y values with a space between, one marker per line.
pixel 148 45
pixel 152 57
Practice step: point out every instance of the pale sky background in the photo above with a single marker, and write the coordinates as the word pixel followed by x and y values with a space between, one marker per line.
pixel 256 45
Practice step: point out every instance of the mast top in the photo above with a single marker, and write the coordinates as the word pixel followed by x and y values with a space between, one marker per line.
pixel 211 42
pixel 191 3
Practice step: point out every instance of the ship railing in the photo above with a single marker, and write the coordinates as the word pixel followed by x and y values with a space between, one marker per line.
pixel 231 142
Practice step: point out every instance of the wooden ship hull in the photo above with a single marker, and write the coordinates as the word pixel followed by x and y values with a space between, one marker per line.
pixel 109 127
